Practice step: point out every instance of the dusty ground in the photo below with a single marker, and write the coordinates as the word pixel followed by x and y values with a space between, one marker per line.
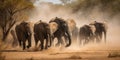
pixel 92 51
pixel 58 55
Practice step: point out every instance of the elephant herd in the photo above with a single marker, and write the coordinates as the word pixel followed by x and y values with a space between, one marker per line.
pixel 45 33
pixel 92 32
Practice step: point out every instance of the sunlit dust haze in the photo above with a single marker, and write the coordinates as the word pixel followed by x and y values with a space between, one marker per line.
pixel 46 10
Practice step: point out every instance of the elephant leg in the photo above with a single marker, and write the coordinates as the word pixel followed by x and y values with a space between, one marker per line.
pixel 80 40
pixel 98 38
pixel 101 36
pixel 92 38
pixel 51 40
pixel 66 39
pixel 58 43
pixel 42 44
pixel 36 43
pixel 105 35
pixel 29 42
pixel 24 45
pixel 46 45
pixel 36 40
pixel 85 40
pixel 20 42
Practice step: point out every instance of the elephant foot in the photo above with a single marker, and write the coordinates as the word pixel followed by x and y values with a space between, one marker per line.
pixel 41 49
pixel 28 46
pixel 23 48
pixel 67 45
pixel 46 48
pixel 49 45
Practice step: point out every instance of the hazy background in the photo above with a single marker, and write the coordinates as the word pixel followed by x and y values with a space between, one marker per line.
pixel 83 12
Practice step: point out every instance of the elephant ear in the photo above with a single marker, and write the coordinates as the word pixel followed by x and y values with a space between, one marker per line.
pixel 105 25
pixel 28 28
pixel 48 27
pixel 53 27
pixel 52 20
pixel 27 24
pixel 71 24
pixel 92 27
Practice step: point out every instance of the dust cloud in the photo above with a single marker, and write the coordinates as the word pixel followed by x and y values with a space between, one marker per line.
pixel 45 11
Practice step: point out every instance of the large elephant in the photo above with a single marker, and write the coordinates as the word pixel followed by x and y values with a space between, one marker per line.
pixel 23 33
pixel 100 29
pixel 62 30
pixel 86 34
pixel 73 30
pixel 41 32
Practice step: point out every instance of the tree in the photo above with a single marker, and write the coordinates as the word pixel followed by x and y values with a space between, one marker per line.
pixel 10 11
pixel 65 1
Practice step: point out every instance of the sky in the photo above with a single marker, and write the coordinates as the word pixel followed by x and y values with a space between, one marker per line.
pixel 53 1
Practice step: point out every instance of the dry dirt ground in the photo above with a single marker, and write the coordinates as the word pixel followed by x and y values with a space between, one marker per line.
pixel 58 54
pixel 91 51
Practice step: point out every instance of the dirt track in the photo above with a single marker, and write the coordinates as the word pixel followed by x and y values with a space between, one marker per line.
pixel 51 54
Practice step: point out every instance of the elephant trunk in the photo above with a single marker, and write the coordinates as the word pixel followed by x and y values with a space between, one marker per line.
pixel 50 39
pixel 29 37
pixel 69 38
pixel 105 36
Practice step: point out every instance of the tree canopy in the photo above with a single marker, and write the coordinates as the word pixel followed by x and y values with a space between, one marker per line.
pixel 10 12
pixel 110 6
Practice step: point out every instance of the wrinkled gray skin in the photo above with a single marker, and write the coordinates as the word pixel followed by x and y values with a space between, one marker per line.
pixel 100 29
pixel 61 31
pixel 85 34
pixel 23 34
pixel 41 33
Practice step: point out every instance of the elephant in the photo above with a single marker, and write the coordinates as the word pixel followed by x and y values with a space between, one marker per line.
pixel 41 32
pixel 73 30
pixel 100 29
pixel 23 33
pixel 75 34
pixel 62 30
pixel 86 34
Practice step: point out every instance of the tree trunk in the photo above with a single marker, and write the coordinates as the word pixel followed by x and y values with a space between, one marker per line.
pixel 6 32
